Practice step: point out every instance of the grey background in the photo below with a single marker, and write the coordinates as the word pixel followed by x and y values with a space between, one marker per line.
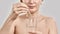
pixel 49 8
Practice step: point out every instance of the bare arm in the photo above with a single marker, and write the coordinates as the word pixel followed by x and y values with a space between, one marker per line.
pixel 8 28
pixel 52 26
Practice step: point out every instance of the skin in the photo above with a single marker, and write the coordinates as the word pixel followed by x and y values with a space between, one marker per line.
pixel 17 24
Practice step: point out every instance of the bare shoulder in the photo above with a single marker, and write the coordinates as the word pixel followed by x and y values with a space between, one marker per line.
pixel 48 19
pixel 52 26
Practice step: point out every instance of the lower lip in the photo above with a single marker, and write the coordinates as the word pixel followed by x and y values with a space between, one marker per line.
pixel 31 7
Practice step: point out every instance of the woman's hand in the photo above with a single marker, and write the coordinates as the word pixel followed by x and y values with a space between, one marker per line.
pixel 21 9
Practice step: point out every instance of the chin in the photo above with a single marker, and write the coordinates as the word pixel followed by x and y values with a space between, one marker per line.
pixel 33 11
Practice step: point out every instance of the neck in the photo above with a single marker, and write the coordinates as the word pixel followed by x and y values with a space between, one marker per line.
pixel 35 13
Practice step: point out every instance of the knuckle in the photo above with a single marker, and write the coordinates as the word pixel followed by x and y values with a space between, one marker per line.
pixel 15 5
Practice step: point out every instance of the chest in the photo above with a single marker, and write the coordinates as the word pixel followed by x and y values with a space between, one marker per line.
pixel 32 25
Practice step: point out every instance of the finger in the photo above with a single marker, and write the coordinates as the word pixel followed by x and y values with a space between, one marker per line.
pixel 20 9
pixel 19 12
pixel 15 5
pixel 18 5
pixel 22 5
